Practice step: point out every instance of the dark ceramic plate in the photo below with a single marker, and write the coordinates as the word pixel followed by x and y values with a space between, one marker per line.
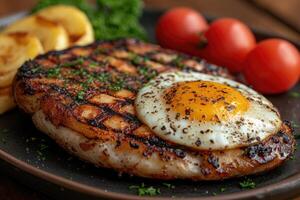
pixel 41 164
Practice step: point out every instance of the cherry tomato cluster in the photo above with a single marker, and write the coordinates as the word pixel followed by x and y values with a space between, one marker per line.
pixel 270 66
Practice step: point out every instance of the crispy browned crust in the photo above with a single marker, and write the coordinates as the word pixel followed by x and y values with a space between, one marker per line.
pixel 70 88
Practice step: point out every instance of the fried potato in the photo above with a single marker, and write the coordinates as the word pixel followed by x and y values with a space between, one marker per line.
pixel 52 35
pixel 15 49
pixel 6 100
pixel 75 22
pixel 7 79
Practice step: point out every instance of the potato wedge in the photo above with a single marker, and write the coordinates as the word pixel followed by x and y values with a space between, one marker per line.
pixel 6 100
pixel 75 22
pixel 7 79
pixel 52 35
pixel 15 49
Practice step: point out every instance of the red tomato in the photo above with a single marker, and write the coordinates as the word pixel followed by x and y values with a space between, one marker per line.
pixel 273 66
pixel 228 43
pixel 180 28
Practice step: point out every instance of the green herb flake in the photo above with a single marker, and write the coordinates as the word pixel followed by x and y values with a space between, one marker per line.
pixel 292 157
pixel 294 94
pixel 147 72
pixel 247 184
pixel 90 79
pixel 137 60
pixel 93 64
pixel 53 72
pixel 35 70
pixel 103 77
pixel 81 72
pixel 117 85
pixel 142 190
pixel 214 194
pixel 178 62
pixel 80 95
pixel 78 61
pixel 43 147
pixel 222 189
pixel 168 185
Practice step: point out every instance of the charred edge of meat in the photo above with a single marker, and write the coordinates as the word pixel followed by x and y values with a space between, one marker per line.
pixel 154 143
pixel 265 152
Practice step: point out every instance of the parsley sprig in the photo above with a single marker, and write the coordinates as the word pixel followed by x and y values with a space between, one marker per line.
pixel 111 19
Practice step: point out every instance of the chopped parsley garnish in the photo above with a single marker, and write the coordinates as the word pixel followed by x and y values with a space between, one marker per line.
pixel 80 95
pixel 84 85
pixel 81 72
pixel 214 194
pixel 53 72
pixel 222 189
pixel 168 185
pixel 90 79
pixel 247 184
pixel 137 60
pixel 178 62
pixel 93 64
pixel 147 72
pixel 142 190
pixel 294 94
pixel 78 61
pixel 117 85
pixel 35 70
pixel 43 147
pixel 103 77
pixel 40 144
pixel 292 157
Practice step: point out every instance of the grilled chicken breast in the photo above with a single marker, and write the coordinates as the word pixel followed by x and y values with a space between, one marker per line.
pixel 83 98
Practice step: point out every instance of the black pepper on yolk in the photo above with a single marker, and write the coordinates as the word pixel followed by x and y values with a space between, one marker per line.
pixel 205 101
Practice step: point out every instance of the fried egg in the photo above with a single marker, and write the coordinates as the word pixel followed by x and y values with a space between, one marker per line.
pixel 205 112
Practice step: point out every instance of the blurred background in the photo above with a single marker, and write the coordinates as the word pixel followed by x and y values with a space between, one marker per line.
pixel 275 16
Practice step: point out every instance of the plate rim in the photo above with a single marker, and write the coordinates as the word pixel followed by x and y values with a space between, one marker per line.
pixel 290 187
pixel 283 187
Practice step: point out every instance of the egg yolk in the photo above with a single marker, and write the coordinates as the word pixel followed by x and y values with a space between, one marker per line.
pixel 205 101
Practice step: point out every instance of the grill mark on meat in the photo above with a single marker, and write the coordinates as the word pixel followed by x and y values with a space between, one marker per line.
pixel 67 85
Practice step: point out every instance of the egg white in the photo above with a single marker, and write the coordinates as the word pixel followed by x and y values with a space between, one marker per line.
pixel 259 121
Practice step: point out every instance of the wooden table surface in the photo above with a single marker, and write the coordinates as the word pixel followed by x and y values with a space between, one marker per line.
pixel 275 16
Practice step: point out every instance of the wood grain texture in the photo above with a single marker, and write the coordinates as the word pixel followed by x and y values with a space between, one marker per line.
pixel 287 12
pixel 242 10
pixel 8 7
